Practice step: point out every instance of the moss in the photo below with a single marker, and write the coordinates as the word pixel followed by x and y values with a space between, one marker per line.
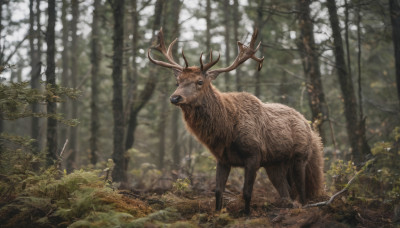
pixel 103 219
pixel 165 216
pixel 183 224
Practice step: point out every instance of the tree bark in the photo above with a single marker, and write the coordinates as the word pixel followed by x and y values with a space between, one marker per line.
pixel 355 128
pixel 236 19
pixel 227 25
pixel 1 61
pixel 171 23
pixel 258 25
pixel 65 64
pixel 149 87
pixel 309 56
pixel 119 173
pixel 70 166
pixel 35 54
pixel 51 82
pixel 395 19
pixel 208 25
pixel 95 59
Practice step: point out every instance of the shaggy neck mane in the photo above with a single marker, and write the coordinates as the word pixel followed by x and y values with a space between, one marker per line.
pixel 208 120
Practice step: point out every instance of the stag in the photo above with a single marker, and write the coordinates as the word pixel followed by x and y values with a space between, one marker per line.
pixel 241 131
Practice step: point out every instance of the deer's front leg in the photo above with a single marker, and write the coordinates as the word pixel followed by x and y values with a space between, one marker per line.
pixel 221 178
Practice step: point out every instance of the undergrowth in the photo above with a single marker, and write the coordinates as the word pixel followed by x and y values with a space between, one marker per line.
pixel 47 198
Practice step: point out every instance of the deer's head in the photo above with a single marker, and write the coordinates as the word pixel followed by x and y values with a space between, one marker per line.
pixel 194 81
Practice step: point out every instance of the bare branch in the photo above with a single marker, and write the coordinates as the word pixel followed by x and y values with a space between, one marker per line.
pixel 346 188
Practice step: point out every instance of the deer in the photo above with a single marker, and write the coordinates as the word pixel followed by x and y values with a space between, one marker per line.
pixel 242 131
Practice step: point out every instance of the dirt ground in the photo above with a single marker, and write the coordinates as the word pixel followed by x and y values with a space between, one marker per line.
pixel 195 208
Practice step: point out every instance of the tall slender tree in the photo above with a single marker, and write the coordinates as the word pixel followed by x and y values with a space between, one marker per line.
pixel 259 24
pixel 51 82
pixel 74 74
pixel 65 63
pixel 355 128
pixel 35 54
pixel 394 6
pixel 227 35
pixel 309 56
pixel 236 19
pixel 95 59
pixel 119 173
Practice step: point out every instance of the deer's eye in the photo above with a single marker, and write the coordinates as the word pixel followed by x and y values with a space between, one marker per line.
pixel 199 82
pixel 177 84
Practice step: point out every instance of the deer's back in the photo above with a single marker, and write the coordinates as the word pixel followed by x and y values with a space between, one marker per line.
pixel 274 130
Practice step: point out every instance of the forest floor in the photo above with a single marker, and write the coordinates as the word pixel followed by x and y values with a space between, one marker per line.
pixel 196 208
pixel 88 199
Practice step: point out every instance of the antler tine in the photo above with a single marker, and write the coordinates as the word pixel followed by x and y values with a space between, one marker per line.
pixel 167 53
pixel 201 62
pixel 184 58
pixel 245 53
pixel 253 38
pixel 207 66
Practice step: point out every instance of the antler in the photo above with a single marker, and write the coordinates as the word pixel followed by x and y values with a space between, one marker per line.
pixel 167 53
pixel 204 68
pixel 245 53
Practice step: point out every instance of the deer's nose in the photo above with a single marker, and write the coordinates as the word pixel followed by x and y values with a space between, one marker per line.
pixel 175 99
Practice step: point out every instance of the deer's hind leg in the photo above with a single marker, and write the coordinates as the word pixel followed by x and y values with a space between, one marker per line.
pixel 277 174
pixel 299 169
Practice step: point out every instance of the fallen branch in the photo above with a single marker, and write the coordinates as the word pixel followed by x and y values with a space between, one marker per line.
pixel 346 188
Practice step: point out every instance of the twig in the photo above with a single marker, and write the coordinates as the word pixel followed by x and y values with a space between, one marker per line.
pixel 324 203
pixel 61 154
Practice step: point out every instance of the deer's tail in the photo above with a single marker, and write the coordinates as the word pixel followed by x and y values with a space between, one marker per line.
pixel 314 176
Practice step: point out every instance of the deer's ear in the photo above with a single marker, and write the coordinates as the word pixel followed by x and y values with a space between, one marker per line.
pixel 212 75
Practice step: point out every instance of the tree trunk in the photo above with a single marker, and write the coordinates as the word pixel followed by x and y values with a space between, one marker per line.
pixel 355 128
pixel 95 59
pixel 227 26
pixel 65 64
pixel 162 124
pixel 309 56
pixel 70 166
pixel 35 70
pixel 1 62
pixel 119 173
pixel 149 87
pixel 175 141
pixel 208 25
pixel 171 23
pixel 258 25
pixel 236 19
pixel 51 82
pixel 395 19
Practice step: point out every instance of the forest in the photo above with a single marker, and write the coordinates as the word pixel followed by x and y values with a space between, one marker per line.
pixel 89 137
